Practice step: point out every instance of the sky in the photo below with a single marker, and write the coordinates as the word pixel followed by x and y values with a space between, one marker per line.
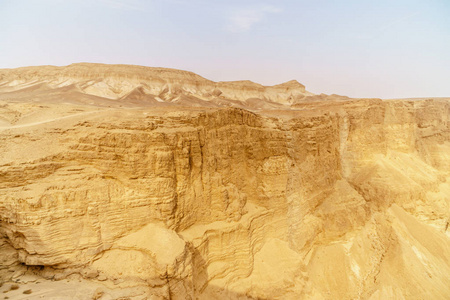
pixel 357 48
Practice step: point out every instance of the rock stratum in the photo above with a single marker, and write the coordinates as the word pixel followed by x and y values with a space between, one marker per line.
pixel 128 182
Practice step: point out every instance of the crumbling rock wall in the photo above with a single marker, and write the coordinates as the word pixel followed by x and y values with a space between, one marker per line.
pixel 187 202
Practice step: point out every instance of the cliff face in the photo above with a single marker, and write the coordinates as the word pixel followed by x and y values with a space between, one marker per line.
pixel 336 198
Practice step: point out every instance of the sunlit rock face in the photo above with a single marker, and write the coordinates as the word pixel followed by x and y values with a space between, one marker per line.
pixel 158 183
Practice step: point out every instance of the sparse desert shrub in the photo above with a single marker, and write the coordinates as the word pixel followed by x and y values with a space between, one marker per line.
pixel 27 292
pixel 14 287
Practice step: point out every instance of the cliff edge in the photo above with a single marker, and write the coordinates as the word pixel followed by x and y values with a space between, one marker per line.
pixel 126 182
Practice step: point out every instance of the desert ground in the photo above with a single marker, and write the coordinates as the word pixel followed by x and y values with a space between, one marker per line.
pixel 129 182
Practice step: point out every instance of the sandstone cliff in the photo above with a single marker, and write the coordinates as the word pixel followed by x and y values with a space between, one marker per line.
pixel 150 182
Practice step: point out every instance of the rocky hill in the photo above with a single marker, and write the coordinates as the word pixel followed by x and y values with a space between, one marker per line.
pixel 127 182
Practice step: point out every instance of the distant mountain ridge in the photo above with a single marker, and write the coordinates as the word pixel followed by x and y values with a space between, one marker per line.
pixel 130 81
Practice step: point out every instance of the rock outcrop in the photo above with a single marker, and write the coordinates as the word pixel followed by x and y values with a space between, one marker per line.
pixel 150 182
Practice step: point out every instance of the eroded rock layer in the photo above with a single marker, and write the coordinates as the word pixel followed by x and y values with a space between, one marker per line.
pixel 144 183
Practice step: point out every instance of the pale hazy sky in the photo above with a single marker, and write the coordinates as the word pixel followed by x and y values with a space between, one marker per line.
pixel 358 48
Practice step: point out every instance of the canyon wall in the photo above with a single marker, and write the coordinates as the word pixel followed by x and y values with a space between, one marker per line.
pixel 338 198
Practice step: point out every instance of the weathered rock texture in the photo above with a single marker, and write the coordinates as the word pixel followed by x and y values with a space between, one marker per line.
pixel 160 183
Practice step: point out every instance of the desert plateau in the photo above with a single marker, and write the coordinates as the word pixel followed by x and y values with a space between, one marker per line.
pixel 131 182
